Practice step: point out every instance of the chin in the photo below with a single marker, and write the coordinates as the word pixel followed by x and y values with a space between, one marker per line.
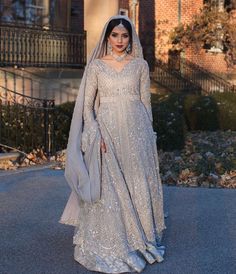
pixel 120 50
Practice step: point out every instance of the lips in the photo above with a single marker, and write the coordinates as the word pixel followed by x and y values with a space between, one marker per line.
pixel 119 46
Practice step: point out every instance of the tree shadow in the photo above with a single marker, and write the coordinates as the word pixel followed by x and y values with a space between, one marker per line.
pixel 201 113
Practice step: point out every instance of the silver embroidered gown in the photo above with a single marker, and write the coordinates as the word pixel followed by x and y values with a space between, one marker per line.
pixel 122 231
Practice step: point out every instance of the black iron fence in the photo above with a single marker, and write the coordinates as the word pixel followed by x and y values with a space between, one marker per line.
pixel 24 46
pixel 209 82
pixel 190 77
pixel 26 122
pixel 172 79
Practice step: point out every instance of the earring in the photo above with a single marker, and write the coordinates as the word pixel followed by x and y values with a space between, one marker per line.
pixel 128 49
pixel 109 48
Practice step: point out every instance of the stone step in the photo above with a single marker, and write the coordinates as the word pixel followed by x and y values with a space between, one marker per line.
pixel 12 156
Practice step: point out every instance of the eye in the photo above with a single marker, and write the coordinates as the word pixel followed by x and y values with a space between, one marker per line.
pixel 126 35
pixel 114 34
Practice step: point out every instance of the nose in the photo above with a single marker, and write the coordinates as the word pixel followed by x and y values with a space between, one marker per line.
pixel 119 39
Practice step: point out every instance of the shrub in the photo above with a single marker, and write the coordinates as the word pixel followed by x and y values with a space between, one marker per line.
pixel 201 112
pixel 22 127
pixel 226 103
pixel 63 115
pixel 214 112
pixel 168 121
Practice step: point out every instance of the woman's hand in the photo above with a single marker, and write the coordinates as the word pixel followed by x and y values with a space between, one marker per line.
pixel 103 146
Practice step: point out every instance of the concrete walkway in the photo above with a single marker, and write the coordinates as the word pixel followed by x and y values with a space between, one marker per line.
pixel 200 236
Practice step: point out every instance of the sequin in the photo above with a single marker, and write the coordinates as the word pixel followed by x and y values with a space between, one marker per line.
pixel 122 231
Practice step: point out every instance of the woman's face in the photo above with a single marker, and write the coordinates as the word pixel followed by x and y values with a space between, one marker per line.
pixel 119 39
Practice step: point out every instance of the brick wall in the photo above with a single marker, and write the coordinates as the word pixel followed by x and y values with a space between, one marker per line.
pixel 214 62
pixel 176 11
pixel 167 17
pixel 189 8
pixel 77 15
pixel 124 4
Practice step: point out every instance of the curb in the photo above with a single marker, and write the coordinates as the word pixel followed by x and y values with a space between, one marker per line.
pixel 26 169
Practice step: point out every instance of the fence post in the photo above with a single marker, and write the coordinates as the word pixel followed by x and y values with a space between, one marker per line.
pixel 46 127
pixel 51 132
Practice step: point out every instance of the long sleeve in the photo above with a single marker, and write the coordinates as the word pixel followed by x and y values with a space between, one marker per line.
pixel 90 124
pixel 90 93
pixel 145 90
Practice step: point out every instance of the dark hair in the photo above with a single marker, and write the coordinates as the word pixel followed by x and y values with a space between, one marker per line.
pixel 115 22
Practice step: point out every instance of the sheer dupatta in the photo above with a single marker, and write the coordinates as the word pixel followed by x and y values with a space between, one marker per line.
pixel 83 169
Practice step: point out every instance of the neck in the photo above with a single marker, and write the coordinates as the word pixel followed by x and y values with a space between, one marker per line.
pixel 119 53
pixel 119 57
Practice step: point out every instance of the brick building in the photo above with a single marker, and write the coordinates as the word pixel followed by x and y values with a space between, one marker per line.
pixel 155 18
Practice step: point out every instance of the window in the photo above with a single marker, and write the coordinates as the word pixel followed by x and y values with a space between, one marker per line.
pixel 43 13
pixel 28 12
pixel 218 47
pixel 230 5
pixel 227 4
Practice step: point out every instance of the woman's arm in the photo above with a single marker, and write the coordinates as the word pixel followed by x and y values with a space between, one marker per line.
pixel 145 90
pixel 90 124
pixel 89 97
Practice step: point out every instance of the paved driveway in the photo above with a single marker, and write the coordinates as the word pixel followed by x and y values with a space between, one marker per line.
pixel 200 236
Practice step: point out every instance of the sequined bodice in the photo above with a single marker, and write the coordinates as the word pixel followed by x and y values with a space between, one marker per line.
pixel 131 83
pixel 113 83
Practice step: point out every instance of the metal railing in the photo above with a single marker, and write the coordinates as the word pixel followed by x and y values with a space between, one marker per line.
pixel 208 81
pixel 172 79
pixel 190 77
pixel 22 46
pixel 26 122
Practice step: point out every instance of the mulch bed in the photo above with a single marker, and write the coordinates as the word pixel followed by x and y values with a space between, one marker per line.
pixel 207 160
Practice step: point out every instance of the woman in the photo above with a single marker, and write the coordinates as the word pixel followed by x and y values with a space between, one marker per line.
pixel 112 166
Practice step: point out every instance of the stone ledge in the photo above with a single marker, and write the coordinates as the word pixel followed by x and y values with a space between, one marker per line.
pixel 9 156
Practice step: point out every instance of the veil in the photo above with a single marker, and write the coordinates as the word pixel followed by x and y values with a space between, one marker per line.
pixel 83 171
